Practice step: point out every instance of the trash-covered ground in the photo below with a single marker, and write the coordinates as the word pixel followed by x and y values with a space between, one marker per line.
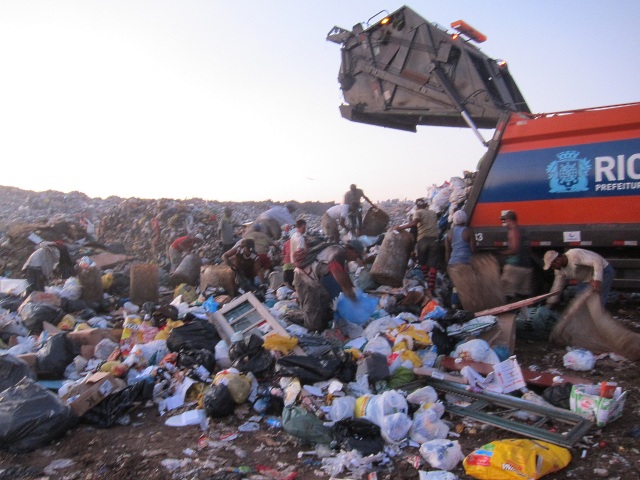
pixel 241 430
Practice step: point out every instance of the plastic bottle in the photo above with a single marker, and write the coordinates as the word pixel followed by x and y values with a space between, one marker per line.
pixel 274 422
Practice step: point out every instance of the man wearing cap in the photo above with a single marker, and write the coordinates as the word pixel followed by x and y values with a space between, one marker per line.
pixel 588 268
pixel 517 272
pixel 428 245
pixel 318 284
pixel 182 246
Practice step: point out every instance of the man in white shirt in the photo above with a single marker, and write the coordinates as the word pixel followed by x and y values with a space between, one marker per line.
pixel 40 265
pixel 298 246
pixel 334 218
pixel 586 267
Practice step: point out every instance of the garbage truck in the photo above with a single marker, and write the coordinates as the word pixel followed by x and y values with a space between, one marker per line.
pixel 573 177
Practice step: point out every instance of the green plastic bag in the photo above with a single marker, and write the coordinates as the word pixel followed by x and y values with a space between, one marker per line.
pixel 298 422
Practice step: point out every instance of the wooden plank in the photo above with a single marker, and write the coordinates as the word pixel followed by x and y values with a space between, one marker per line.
pixel 108 259
pixel 516 305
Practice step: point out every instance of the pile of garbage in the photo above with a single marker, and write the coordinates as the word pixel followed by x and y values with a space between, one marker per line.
pixel 360 392
pixel 390 374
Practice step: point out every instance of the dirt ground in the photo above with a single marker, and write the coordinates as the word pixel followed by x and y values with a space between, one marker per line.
pixel 147 449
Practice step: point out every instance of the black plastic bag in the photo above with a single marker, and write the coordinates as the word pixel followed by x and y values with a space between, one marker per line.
pixel 54 357
pixel 10 302
pixel 308 369
pixel 358 434
pixel 267 403
pixel 35 314
pixel 218 401
pixel 107 413
pixel 443 342
pixel 250 346
pixel 12 370
pixel 194 335
pixel 250 356
pixel 31 417
pixel 374 365
pixel 195 358
pixel 559 395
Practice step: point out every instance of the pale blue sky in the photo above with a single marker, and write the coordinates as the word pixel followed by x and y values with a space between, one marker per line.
pixel 238 100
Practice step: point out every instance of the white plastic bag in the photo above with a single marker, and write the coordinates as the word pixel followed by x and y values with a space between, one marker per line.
pixel 395 427
pixel 477 350
pixel 378 344
pixel 424 428
pixel 375 407
pixel 579 359
pixel 72 290
pixel 104 349
pixel 222 354
pixel 341 408
pixel 442 454
pixel 423 395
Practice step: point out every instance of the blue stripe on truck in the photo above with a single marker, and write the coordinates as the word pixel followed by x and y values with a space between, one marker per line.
pixel 605 169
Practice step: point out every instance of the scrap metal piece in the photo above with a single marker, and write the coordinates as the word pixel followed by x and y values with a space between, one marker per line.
pixel 492 409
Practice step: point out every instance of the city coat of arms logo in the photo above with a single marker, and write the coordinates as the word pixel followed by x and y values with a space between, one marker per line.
pixel 568 173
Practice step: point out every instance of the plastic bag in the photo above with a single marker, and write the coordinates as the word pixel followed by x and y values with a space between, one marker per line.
pixel 477 350
pixel 579 359
pixel 239 385
pixel 218 401
pixel 401 377
pixel 14 369
pixel 12 324
pixel 301 424
pixel 250 356
pixel 222 354
pixel 72 290
pixel 516 459
pixel 104 349
pixel 423 395
pixel 54 356
pixel 112 409
pixel 375 407
pixel 194 335
pixel 395 427
pixel 442 454
pixel 31 416
pixel 341 408
pixel 280 343
pixel 357 311
pixel 358 434
pixel 380 345
pixel 35 314
pixel 308 369
pixel 424 428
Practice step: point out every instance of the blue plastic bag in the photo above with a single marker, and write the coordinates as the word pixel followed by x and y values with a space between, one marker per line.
pixel 210 305
pixel 357 311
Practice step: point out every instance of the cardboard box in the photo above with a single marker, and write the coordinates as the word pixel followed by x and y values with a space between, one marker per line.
pixel 87 394
pixel 49 298
pixel 31 359
pixel 92 336
pixel 585 400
